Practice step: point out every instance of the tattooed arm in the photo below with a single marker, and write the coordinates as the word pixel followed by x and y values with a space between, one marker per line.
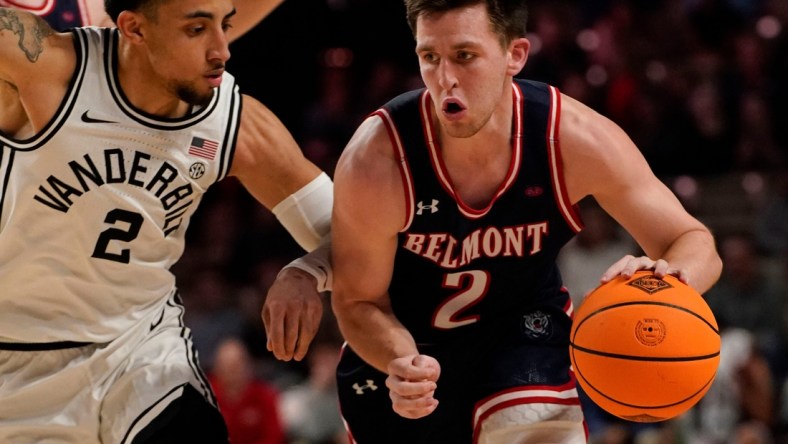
pixel 36 65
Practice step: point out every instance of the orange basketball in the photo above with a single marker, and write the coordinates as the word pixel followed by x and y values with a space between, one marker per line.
pixel 645 349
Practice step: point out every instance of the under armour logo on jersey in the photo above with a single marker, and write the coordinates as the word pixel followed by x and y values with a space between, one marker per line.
pixel 360 388
pixel 432 207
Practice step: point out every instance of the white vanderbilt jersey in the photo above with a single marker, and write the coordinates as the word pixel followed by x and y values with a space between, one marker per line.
pixel 94 209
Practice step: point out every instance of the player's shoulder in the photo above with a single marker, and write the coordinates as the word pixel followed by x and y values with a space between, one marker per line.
pixel 583 127
pixel 367 178
pixel 29 29
pixel 30 37
pixel 262 137
pixel 370 144
pixel 371 156
pixel 368 162
pixel 255 116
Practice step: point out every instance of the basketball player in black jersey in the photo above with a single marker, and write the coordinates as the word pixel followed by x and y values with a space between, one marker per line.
pixel 451 205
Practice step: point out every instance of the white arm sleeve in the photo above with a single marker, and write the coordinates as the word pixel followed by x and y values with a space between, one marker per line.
pixel 306 214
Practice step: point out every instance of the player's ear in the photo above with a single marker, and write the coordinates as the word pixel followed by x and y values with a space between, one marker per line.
pixel 129 24
pixel 518 54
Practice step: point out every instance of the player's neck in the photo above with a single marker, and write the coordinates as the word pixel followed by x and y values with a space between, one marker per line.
pixel 492 140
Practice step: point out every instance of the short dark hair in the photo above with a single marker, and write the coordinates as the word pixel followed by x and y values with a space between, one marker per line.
pixel 115 7
pixel 507 17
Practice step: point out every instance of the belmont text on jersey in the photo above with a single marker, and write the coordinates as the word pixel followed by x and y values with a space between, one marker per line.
pixel 449 252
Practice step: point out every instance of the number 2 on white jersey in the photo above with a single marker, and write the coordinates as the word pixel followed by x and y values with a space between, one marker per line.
pixel 473 285
pixel 130 229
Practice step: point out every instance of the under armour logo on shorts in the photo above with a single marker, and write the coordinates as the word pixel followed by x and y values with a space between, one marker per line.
pixel 369 385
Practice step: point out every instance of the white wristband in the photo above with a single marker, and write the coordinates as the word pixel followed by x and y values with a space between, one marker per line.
pixel 318 264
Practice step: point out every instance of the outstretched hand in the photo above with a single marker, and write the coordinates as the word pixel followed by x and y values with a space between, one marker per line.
pixel 291 314
pixel 412 383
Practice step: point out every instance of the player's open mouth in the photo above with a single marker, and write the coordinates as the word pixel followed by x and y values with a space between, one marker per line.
pixel 451 107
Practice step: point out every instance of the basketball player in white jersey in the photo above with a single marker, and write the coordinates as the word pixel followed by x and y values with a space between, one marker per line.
pixel 114 136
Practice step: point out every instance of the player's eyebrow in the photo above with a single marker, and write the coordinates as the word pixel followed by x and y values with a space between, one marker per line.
pixel 461 45
pixel 209 15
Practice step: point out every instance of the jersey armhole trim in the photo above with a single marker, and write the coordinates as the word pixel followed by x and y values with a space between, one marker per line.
pixel 231 135
pixel 568 211
pixel 404 169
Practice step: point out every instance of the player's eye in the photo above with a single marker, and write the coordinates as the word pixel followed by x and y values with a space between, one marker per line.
pixel 429 57
pixel 195 30
pixel 464 55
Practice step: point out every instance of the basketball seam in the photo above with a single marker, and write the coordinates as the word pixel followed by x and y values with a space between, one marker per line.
pixel 643 358
pixel 635 406
pixel 664 304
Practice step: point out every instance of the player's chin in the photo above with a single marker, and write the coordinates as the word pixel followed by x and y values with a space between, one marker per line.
pixel 196 94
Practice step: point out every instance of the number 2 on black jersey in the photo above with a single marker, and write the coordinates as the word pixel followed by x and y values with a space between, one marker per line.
pixel 134 221
pixel 472 286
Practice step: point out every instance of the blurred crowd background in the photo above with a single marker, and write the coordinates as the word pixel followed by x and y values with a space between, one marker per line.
pixel 699 85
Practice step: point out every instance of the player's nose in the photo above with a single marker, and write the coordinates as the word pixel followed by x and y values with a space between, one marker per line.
pixel 447 77
pixel 220 48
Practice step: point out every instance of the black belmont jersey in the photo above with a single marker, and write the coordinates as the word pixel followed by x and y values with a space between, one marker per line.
pixel 460 271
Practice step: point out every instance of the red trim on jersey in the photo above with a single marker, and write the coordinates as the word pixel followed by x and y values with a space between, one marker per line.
pixel 565 394
pixel 44 9
pixel 404 170
pixel 569 307
pixel 430 137
pixel 569 211
pixel 442 172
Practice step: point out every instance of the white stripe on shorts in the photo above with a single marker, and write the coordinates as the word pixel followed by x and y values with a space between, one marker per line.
pixel 563 394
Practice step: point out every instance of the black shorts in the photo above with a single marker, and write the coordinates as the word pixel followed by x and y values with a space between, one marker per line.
pixel 535 354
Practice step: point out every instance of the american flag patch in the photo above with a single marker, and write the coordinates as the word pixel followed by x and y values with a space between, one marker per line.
pixel 203 148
